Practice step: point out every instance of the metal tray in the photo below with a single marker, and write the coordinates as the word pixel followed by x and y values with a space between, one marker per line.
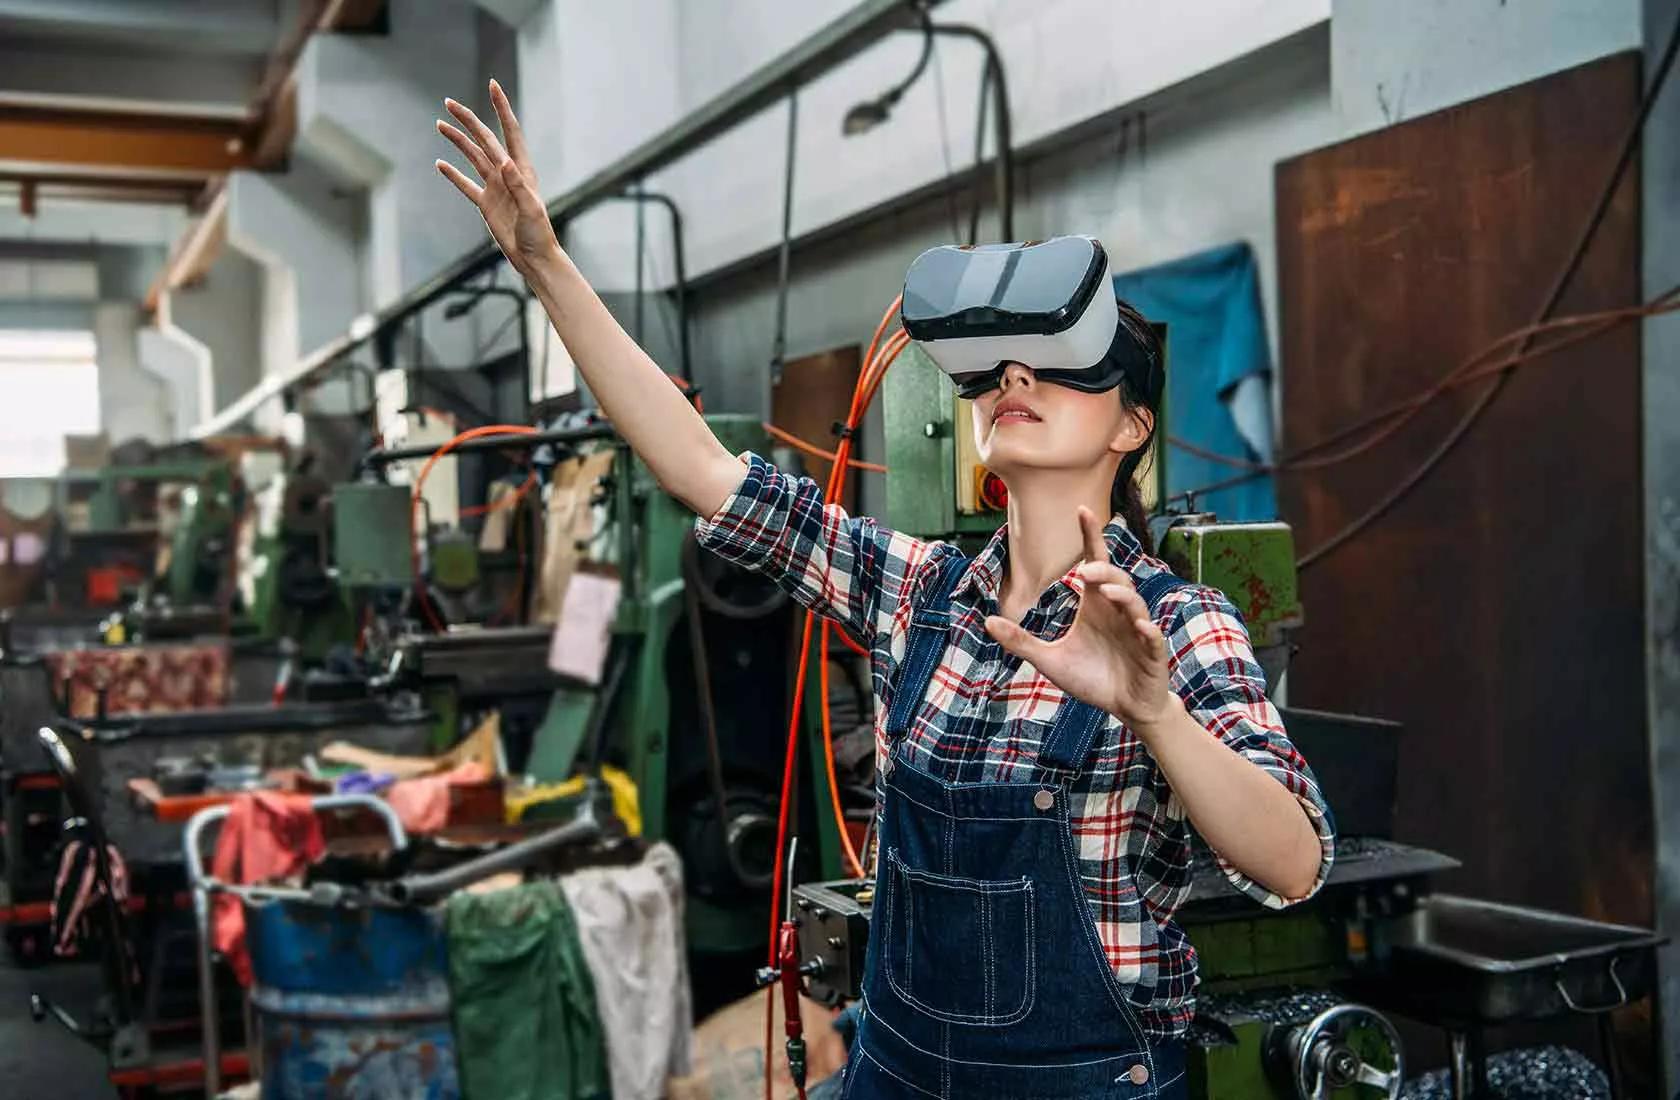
pixel 1463 960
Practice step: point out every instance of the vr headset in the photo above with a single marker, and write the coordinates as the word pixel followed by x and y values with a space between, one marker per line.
pixel 1048 305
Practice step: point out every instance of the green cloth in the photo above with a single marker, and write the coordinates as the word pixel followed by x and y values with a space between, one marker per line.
pixel 526 1025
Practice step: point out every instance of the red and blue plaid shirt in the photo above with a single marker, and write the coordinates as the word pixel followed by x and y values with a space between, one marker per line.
pixel 987 712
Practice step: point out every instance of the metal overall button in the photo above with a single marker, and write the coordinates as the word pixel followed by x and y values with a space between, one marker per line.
pixel 1139 1074
pixel 1044 800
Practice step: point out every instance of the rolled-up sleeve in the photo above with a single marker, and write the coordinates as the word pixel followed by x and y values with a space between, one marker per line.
pixel 1215 672
pixel 844 568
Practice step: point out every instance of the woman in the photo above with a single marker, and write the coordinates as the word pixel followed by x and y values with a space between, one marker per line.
pixel 1045 729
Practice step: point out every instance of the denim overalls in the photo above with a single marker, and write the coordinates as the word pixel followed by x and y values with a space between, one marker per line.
pixel 984 976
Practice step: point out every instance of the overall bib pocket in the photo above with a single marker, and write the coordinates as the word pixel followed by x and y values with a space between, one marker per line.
pixel 960 950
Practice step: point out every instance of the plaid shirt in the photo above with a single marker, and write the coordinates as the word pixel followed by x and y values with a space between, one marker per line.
pixel 987 712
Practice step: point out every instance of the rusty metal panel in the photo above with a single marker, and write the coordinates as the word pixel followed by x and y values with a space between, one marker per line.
pixel 1497 611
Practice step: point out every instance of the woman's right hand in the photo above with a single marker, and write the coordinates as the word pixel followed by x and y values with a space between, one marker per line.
pixel 512 206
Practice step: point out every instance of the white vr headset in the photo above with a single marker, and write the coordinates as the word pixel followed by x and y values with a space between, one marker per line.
pixel 1049 305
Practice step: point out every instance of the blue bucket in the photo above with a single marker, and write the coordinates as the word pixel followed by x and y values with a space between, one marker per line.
pixel 350 1003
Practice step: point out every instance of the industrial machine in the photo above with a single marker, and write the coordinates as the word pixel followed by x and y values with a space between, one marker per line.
pixel 682 702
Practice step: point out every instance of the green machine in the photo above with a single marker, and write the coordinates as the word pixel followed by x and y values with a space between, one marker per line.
pixel 693 695
pixel 288 583
pixel 201 545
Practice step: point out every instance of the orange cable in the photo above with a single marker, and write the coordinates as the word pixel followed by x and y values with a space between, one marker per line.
pixel 836 478
pixel 815 451
pixel 419 484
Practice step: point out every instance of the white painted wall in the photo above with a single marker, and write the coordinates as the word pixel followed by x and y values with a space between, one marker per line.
pixel 366 104
pixel 596 80
pixel 1394 61
pixel 1068 60
pixel 1196 171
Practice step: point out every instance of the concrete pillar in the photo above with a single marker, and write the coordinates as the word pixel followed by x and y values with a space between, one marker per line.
pixel 223 313
pixel 304 229
pixel 133 402
pixel 182 364
pixel 366 104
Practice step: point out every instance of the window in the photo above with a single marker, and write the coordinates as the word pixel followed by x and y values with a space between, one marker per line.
pixel 49 388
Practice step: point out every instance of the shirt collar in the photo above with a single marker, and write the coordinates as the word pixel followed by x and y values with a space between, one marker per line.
pixel 984 576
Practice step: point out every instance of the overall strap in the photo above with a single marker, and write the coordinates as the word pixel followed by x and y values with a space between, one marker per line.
pixel 1077 724
pixel 930 623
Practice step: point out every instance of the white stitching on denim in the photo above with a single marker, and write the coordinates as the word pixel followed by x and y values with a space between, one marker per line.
pixel 988 980
pixel 968 817
pixel 996 1065
pixel 1088 926
pixel 1029 994
pixel 974 885
pixel 906 1083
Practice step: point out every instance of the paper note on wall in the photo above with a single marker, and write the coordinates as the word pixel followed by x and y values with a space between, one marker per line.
pixel 583 632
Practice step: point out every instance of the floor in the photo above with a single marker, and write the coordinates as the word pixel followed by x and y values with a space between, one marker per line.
pixel 44 1061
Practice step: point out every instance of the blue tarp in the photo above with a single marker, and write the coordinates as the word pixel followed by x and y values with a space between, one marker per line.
pixel 1216 338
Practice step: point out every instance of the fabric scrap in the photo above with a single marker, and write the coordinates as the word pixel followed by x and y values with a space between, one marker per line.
pixel 527 1026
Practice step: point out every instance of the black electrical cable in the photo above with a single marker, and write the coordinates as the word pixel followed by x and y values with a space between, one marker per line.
pixel 521 300
pixel 778 351
pixel 639 196
pixel 945 144
pixel 991 80
pixel 1630 146
pixel 641 249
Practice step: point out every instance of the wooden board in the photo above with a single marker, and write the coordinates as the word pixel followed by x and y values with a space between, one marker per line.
pixel 1497 611
pixel 814 392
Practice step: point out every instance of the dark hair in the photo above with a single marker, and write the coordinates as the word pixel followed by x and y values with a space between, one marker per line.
pixel 1139 389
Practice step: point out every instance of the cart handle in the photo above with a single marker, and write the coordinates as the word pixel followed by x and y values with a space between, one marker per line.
pixel 1615 979
pixel 203 819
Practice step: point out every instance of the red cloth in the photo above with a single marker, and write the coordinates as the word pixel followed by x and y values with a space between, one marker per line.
pixel 423 804
pixel 266 837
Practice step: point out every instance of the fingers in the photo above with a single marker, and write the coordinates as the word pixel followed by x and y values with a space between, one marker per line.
pixel 480 132
pixel 1096 549
pixel 1150 638
pixel 1017 640
pixel 512 132
pixel 1126 598
pixel 1103 572
pixel 530 205
pixel 469 149
pixel 459 178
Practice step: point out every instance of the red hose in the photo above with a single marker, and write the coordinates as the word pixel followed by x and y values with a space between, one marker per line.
pixel 869 381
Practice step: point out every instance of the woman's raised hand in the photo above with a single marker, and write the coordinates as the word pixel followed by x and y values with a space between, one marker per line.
pixel 1113 656
pixel 508 199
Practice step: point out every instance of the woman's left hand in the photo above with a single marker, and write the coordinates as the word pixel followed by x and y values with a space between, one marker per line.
pixel 1113 656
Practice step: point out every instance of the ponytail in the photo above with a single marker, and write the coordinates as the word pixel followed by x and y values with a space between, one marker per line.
pixel 1125 497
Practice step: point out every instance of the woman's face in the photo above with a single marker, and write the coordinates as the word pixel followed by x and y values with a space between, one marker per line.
pixel 1026 424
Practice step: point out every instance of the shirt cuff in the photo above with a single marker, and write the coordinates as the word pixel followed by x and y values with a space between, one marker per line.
pixel 1322 826
pixel 738 530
